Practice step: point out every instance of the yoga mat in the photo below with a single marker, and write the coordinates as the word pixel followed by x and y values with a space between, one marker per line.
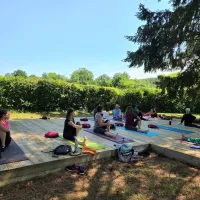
pixel 195 146
pixel 91 118
pixel 174 129
pixel 178 124
pixel 119 139
pixel 116 121
pixel 88 143
pixel 12 154
pixel 109 118
pixel 149 134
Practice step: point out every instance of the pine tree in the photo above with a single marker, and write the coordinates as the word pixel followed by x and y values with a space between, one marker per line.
pixel 170 40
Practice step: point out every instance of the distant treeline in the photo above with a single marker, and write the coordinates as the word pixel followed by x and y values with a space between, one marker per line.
pixel 86 77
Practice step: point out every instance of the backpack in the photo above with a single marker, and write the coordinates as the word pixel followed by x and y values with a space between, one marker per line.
pixel 62 150
pixel 126 153
pixel 85 125
pixel 84 119
pixel 152 126
pixel 51 134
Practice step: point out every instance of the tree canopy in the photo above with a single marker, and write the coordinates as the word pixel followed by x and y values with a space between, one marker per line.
pixel 170 40
pixel 119 79
pixel 82 76
pixel 53 76
pixel 18 72
pixel 104 80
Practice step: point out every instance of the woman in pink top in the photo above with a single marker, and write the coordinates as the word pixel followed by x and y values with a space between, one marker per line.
pixel 4 128
pixel 132 121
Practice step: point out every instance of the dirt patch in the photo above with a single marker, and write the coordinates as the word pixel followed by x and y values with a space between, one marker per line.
pixel 153 178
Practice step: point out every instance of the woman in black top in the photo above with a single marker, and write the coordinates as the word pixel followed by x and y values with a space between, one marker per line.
pixel 72 130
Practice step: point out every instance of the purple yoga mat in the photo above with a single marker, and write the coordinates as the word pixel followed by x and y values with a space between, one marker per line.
pixel 12 154
pixel 119 139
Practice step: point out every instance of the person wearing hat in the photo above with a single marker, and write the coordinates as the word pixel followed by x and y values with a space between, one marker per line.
pixel 117 114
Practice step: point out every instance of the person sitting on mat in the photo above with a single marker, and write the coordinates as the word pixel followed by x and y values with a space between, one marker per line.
pixel 100 126
pixel 4 116
pixel 153 112
pixel 130 124
pixel 193 140
pixel 105 114
pixel 138 113
pixel 188 119
pixel 71 130
pixel 117 114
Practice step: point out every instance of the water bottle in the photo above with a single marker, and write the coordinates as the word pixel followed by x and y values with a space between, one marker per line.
pixel 170 122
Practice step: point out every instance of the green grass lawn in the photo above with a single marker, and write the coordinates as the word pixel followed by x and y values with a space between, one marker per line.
pixel 152 178
pixel 178 115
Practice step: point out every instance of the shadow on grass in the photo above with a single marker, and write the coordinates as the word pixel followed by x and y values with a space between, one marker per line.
pixel 151 178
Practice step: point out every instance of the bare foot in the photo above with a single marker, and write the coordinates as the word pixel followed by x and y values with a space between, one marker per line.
pixel 84 141
pixel 183 136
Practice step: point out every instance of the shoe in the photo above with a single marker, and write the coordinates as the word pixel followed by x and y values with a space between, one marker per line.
pixel 81 169
pixel 74 167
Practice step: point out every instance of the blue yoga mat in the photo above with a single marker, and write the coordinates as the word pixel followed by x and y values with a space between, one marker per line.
pixel 149 134
pixel 174 129
pixel 195 146
pixel 91 118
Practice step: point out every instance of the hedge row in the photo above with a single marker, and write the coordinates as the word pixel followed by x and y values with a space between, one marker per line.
pixel 45 96
pixel 25 95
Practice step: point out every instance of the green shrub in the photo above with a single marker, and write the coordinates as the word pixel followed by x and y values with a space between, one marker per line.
pixel 44 96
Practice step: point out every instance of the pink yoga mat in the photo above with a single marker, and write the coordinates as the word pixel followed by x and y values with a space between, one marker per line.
pixel 119 139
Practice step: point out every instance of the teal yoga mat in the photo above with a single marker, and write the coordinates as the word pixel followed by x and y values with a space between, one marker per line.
pixel 149 134
pixel 174 129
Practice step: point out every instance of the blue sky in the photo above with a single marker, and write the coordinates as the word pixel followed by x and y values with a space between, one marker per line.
pixel 61 36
